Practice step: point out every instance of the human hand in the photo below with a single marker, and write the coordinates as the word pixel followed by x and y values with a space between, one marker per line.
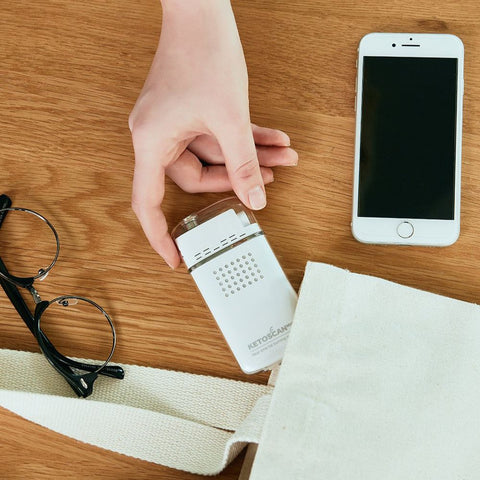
pixel 194 106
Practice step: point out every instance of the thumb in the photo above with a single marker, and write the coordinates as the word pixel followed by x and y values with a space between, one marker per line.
pixel 238 148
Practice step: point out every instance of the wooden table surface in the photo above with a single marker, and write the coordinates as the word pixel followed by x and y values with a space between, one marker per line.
pixel 71 72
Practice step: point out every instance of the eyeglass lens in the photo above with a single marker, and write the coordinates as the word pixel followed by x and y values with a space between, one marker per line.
pixel 27 244
pixel 75 326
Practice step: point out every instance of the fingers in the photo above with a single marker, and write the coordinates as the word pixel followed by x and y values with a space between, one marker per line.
pixel 241 160
pixel 269 136
pixel 207 148
pixel 246 170
pixel 147 195
pixel 155 227
pixel 190 175
pixel 277 156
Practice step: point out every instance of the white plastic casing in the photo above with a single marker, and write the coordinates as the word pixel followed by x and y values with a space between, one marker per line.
pixel 243 285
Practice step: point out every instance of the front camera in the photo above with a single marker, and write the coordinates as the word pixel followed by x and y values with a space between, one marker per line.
pixel 394 44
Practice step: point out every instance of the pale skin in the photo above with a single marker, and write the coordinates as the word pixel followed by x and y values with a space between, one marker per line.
pixel 194 106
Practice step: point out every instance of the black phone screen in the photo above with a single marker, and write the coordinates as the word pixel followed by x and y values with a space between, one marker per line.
pixel 408 138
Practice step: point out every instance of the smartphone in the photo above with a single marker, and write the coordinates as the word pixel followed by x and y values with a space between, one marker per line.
pixel 408 139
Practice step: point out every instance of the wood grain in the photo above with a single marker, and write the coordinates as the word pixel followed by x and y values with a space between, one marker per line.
pixel 71 71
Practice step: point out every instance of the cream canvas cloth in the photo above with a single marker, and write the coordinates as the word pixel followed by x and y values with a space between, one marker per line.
pixel 379 381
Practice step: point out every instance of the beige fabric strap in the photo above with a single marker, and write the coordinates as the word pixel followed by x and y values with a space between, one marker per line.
pixel 189 422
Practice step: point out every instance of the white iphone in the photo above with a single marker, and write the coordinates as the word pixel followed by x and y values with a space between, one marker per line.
pixel 408 139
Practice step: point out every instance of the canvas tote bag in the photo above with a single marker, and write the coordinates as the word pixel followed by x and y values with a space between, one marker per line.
pixel 379 381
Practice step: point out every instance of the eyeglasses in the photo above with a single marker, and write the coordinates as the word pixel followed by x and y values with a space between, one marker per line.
pixel 63 320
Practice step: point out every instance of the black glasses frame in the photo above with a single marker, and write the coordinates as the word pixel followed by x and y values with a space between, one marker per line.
pixel 81 383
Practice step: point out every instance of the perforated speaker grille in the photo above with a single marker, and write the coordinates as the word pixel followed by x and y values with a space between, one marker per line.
pixel 238 274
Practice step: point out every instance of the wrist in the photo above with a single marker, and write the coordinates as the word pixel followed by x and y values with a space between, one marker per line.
pixel 199 22
pixel 187 7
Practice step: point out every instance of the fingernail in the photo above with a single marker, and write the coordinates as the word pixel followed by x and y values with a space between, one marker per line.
pixel 170 265
pixel 286 138
pixel 295 162
pixel 256 198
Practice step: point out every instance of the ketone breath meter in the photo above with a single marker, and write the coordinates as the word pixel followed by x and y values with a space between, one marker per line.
pixel 241 281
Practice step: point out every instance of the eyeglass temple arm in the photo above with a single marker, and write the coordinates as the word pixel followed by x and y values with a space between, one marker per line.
pixel 17 300
pixel 11 290
pixel 5 202
pixel 21 307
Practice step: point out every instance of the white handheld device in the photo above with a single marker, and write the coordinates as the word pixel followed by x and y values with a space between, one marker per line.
pixel 408 139
pixel 241 281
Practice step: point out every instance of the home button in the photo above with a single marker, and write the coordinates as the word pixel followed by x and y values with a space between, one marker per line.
pixel 405 230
